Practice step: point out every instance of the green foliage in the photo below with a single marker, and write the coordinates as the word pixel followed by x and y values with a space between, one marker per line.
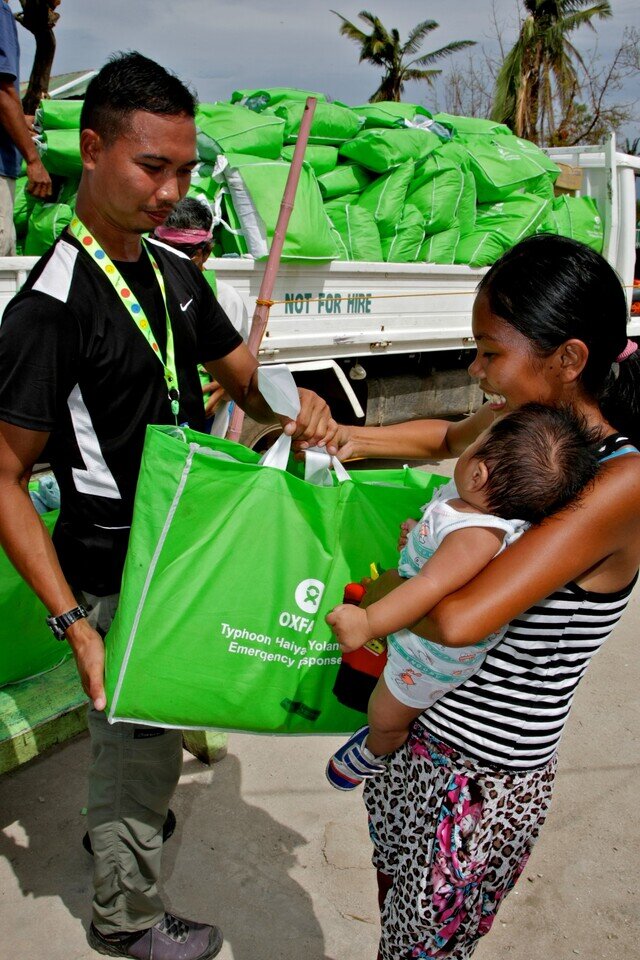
pixel 384 48
pixel 539 75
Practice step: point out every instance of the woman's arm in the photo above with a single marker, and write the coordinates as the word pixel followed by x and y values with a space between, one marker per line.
pixel 414 440
pixel 596 542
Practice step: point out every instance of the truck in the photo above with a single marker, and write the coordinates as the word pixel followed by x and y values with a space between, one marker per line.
pixel 385 342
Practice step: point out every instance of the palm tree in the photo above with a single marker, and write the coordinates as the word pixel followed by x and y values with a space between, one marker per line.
pixel 384 48
pixel 540 73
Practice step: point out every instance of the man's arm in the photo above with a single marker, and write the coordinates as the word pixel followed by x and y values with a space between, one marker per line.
pixel 13 121
pixel 28 545
pixel 238 374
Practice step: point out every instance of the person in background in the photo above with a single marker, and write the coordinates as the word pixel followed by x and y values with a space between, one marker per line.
pixel 188 228
pixel 16 141
pixel 103 339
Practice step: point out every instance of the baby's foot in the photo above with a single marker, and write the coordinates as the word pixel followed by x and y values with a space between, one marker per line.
pixel 405 529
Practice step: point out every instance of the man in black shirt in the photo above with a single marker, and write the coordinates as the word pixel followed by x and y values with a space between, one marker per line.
pixel 104 339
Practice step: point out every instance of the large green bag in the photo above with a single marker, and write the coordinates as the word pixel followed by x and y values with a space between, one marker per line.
pixel 332 124
pixel 27 646
pixel 322 159
pixel 403 246
pixel 222 128
pixel 344 179
pixel 256 187
pixel 575 217
pixel 384 198
pixel 380 149
pixel 58 115
pixel 388 113
pixel 437 191
pixel 231 569
pixel 46 223
pixel 60 151
pixel 358 237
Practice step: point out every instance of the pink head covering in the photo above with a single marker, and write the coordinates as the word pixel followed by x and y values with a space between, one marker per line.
pixel 183 236
pixel 630 349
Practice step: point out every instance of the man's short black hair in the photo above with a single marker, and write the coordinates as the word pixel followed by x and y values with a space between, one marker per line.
pixel 129 82
pixel 539 459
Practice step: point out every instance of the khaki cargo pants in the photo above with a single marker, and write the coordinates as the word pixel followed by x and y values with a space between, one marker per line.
pixel 134 772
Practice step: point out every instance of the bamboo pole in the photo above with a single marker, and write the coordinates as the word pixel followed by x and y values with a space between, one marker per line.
pixel 263 303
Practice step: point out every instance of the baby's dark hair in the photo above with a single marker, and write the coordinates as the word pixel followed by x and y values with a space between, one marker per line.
pixel 539 459
pixel 130 82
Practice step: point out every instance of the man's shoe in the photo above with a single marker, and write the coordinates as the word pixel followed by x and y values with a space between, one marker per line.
pixel 354 762
pixel 170 939
pixel 168 827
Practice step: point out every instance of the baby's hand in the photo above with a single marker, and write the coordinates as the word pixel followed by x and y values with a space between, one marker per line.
pixel 350 626
pixel 405 529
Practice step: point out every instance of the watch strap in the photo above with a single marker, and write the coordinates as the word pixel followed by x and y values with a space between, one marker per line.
pixel 60 624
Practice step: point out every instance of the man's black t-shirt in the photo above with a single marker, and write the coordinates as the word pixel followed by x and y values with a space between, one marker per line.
pixel 74 364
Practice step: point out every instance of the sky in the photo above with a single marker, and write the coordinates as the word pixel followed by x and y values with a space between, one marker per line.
pixel 223 45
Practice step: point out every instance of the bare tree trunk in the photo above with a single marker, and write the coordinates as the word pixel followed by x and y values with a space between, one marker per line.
pixel 39 18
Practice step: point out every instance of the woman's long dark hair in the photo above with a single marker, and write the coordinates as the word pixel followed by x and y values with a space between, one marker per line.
pixel 552 289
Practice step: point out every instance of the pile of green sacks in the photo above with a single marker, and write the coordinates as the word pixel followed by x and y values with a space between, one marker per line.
pixel 381 182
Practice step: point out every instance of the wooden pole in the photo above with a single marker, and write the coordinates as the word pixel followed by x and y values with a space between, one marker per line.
pixel 263 303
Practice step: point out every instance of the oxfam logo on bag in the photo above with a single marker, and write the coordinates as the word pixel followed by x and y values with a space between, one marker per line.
pixel 309 594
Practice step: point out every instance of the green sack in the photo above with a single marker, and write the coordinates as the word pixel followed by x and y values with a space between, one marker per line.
pixel 331 124
pixel 437 190
pixel 481 248
pixel 46 223
pixel 22 206
pixel 358 237
pixel 380 150
pixel 231 569
pixel 322 159
pixel 344 179
pixel 516 217
pixel 575 217
pixel 440 247
pixel 58 115
pixel 502 166
pixel 60 152
pixel 405 243
pixel 27 646
pixel 389 113
pixel 473 126
pixel 222 128
pixel 385 197
pixel 256 187
pixel 258 100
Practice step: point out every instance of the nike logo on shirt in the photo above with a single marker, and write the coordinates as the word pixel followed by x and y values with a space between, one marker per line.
pixel 185 306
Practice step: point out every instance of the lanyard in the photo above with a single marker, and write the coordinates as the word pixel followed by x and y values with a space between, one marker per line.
pixel 137 314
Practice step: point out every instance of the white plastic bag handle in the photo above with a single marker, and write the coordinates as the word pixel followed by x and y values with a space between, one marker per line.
pixel 279 389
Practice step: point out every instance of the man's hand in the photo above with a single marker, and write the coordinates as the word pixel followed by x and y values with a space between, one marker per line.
pixel 314 426
pixel 38 180
pixel 88 649
pixel 215 396
pixel 350 626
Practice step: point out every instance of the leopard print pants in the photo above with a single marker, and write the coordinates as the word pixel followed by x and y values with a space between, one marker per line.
pixel 453 836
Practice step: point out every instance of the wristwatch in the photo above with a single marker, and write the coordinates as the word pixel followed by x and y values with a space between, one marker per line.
pixel 59 624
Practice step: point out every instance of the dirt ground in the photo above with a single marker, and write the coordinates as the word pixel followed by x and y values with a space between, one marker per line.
pixel 266 849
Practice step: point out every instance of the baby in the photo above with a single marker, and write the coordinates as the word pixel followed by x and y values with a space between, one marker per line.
pixel 524 467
